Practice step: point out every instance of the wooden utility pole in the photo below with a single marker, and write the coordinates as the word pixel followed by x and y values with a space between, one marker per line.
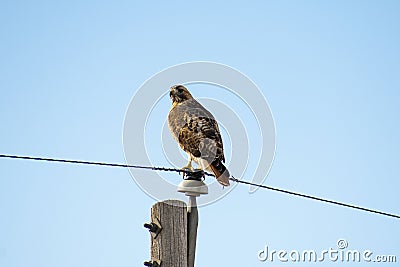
pixel 169 245
pixel 173 226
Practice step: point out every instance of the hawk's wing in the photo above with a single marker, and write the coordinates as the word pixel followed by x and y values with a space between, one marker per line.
pixel 200 136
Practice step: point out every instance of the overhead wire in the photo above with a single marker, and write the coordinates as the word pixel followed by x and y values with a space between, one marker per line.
pixel 107 164
pixel 207 174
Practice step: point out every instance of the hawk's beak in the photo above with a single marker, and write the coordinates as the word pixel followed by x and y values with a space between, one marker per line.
pixel 171 92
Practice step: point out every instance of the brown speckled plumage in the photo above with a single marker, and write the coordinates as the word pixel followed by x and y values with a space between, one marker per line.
pixel 197 132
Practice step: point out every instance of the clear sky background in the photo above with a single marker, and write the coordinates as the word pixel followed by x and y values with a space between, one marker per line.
pixel 329 70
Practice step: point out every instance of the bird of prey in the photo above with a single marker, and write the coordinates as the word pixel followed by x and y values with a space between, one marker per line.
pixel 197 132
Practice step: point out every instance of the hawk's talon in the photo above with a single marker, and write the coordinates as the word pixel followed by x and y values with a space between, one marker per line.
pixel 187 168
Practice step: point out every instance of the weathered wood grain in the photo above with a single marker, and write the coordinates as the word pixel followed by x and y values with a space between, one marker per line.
pixel 170 246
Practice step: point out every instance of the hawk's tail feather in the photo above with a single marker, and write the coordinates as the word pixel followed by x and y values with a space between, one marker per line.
pixel 221 172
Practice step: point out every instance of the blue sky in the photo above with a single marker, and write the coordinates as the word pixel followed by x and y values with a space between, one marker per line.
pixel 329 70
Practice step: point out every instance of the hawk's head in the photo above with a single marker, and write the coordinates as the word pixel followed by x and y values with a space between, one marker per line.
pixel 179 93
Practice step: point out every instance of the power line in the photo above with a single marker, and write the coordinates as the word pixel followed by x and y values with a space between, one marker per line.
pixel 316 198
pixel 208 174
pixel 98 163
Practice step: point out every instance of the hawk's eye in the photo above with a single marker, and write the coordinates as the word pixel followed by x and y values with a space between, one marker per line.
pixel 180 90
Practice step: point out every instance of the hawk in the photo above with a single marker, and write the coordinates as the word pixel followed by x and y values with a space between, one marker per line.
pixel 197 132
